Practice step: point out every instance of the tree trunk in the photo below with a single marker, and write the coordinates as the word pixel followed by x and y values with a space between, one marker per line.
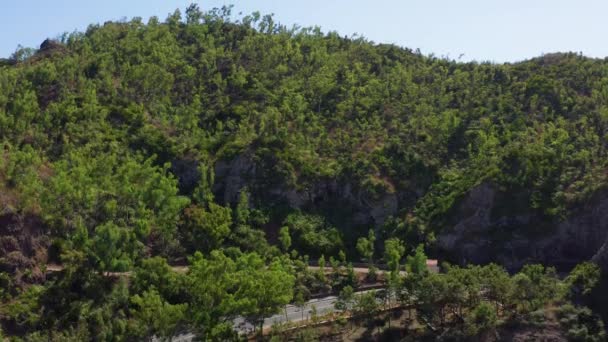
pixel 262 327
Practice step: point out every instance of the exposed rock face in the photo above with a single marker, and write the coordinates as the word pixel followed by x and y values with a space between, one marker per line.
pixel 242 171
pixel 49 44
pixel 232 176
pixel 483 234
pixel 187 173
pixel 380 210
pixel 50 48
pixel 484 227
pixel 601 256
pixel 23 245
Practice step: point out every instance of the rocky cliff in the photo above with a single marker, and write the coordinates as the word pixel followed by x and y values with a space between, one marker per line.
pixel 490 225
pixel 231 176
pixel 23 246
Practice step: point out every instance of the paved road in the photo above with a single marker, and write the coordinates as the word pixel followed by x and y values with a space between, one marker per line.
pixel 431 264
pixel 294 314
pixel 358 270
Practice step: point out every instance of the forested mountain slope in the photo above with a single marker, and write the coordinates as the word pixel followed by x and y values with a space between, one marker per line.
pixel 134 139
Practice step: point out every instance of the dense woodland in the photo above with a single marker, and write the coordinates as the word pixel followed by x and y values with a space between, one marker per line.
pixel 244 150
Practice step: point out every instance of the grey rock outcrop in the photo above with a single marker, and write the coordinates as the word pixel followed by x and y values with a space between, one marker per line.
pixel 233 175
pixel 480 235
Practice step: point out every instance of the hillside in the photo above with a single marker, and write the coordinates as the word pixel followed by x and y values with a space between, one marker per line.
pixel 134 145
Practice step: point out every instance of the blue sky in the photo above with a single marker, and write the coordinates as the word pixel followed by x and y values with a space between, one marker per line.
pixel 494 30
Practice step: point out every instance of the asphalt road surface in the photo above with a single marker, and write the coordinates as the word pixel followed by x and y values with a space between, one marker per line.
pixel 323 306
pixel 294 314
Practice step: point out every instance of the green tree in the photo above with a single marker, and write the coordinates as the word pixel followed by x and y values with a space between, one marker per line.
pixel 544 284
pixel 265 290
pixel 244 234
pixel 321 273
pixel 25 311
pixel 312 234
pixel 113 248
pixel 342 257
pixel 314 314
pixel 242 211
pixel 351 276
pixel 393 252
pixel 581 324
pixel 366 306
pixel 102 132
pixel 417 262
pixel 345 299
pixel 481 320
pixel 432 293
pixel 212 301
pixel 203 193
pixel 582 279
pixel 300 302
pixel 193 14
pixel 206 229
pixel 285 238
pixel 365 247
pixel 155 317
pixel 497 284
pixel 522 292
pixel 533 287
pixel 155 274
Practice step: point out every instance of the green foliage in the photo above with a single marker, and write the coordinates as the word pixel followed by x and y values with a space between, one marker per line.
pixel 113 248
pixel 246 233
pixel 242 211
pixel 581 324
pixel 222 288
pixel 345 299
pixel 366 305
pixel 206 229
pixel 24 312
pixel 482 319
pixel 211 304
pixel 313 235
pixel 284 238
pixel 307 335
pixel 582 279
pixel 393 252
pixel 365 246
pixel 91 188
pixel 155 274
pixel 533 286
pixel 155 317
pixel 267 290
pixel 485 300
pixel 417 263
pixel 203 193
